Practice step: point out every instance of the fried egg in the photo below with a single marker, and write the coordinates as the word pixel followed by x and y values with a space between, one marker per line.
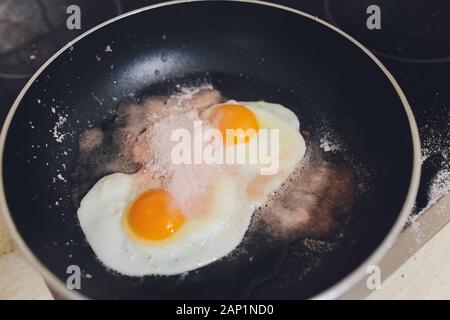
pixel 139 231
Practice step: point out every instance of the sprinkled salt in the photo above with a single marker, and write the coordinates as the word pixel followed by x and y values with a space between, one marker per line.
pixel 57 134
pixel 440 185
pixel 327 145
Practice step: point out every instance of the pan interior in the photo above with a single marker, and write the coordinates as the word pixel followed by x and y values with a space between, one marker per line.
pixel 332 86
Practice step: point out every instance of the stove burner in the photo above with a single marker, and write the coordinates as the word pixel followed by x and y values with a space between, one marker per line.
pixel 411 30
pixel 31 31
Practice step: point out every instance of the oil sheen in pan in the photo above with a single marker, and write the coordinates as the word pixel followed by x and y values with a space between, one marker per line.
pixel 264 265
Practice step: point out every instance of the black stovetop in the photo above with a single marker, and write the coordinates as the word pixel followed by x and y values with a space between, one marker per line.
pixel 413 42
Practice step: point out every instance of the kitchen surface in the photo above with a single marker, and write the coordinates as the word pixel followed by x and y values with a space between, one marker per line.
pixel 413 43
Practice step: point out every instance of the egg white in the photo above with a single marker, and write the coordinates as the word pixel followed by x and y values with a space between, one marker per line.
pixel 292 146
pixel 197 242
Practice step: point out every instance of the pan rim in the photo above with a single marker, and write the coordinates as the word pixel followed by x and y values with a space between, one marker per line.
pixel 333 292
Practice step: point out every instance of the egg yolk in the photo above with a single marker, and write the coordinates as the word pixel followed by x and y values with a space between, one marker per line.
pixel 153 215
pixel 235 117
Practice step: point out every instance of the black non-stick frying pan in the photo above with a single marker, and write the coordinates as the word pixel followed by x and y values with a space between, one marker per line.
pixel 249 51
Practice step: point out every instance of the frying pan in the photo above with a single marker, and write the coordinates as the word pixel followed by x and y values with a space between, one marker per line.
pixel 249 50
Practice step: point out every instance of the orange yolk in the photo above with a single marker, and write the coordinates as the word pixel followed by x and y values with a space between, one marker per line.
pixel 235 117
pixel 153 215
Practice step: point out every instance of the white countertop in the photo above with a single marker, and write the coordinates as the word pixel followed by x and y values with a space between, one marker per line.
pixel 425 274
pixel 18 279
